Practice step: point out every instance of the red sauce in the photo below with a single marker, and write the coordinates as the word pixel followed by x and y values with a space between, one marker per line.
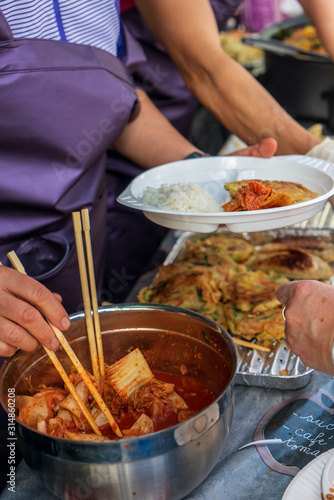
pixel 196 395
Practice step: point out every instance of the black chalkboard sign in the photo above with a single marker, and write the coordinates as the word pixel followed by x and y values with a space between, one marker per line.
pixel 305 424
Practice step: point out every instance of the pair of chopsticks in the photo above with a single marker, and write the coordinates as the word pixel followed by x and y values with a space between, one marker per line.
pixel 94 336
pixel 89 291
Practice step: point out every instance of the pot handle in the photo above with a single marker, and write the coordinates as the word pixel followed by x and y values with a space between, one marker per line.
pixel 194 428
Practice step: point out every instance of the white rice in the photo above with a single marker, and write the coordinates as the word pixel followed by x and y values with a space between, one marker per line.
pixel 181 198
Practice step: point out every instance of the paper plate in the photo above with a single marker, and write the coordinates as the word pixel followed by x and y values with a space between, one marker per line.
pixel 211 173
pixel 327 479
pixel 307 484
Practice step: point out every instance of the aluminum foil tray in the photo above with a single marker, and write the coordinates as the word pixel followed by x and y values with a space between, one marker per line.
pixel 280 368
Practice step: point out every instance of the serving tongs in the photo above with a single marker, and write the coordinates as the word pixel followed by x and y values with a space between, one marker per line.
pixel 282 49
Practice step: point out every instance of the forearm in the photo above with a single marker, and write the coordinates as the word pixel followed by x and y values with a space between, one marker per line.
pixel 246 109
pixel 150 139
pixel 222 85
pixel 321 13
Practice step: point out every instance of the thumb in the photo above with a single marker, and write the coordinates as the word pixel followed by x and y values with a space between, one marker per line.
pixel 264 149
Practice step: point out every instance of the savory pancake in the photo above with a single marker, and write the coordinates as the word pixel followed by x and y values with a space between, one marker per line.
pixel 256 196
pixel 234 282
pixel 236 247
pixel 315 245
pixel 293 263
pixel 266 327
pixel 185 285
pixel 222 266
pixel 297 191
pixel 253 289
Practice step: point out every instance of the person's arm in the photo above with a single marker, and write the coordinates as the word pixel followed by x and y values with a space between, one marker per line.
pixel 150 139
pixel 188 30
pixel 309 326
pixel 23 301
pixel 321 13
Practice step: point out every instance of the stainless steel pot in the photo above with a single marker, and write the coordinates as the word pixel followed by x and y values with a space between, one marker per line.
pixel 301 83
pixel 164 465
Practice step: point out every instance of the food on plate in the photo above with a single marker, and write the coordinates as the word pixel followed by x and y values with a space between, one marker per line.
pixel 294 263
pixel 297 191
pixel 181 197
pixel 260 195
pixel 304 38
pixel 221 276
pixel 140 400
pixel 245 195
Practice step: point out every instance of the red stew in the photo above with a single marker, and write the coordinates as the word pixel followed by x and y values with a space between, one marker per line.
pixel 196 395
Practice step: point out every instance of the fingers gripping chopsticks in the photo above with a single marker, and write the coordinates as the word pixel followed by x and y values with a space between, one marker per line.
pixel 93 328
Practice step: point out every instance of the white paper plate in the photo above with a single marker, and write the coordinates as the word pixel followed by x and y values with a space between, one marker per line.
pixel 212 173
pixel 327 478
pixel 307 484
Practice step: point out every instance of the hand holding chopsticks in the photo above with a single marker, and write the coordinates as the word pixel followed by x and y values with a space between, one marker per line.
pixel 19 267
pixel 94 340
pixel 24 302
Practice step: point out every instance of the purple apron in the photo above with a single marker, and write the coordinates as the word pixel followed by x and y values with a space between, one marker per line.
pixel 223 10
pixel 62 106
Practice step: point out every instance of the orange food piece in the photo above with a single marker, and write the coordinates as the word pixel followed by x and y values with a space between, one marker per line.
pixel 255 196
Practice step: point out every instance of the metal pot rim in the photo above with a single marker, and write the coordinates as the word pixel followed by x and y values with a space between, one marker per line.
pixel 163 435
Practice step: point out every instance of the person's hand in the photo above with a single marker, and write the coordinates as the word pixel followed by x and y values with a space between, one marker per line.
pixel 264 149
pixel 23 302
pixel 309 326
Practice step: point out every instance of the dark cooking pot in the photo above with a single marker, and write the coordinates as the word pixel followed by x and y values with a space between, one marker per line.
pixel 161 466
pixel 302 84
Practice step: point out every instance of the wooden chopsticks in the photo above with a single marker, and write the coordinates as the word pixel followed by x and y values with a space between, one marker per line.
pixel 91 274
pixel 251 345
pixel 89 296
pixel 85 293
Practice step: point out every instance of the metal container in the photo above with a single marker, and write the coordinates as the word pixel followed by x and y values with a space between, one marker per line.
pixel 279 368
pixel 303 85
pixel 165 465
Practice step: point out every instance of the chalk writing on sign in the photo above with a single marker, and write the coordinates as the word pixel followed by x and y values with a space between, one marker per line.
pixel 306 427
